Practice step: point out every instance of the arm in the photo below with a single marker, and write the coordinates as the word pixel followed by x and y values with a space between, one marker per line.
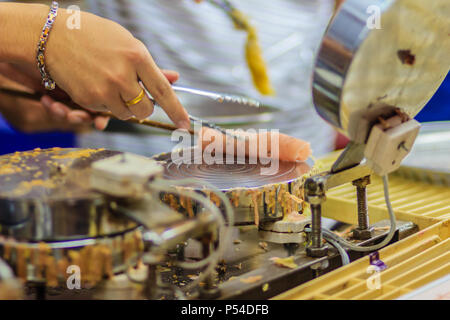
pixel 98 66
pixel 18 39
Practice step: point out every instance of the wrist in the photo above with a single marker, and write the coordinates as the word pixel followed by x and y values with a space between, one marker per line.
pixel 20 28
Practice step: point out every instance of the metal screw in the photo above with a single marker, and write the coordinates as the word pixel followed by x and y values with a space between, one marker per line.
pixel 363 231
pixel 316 226
pixel 315 195
pixel 402 146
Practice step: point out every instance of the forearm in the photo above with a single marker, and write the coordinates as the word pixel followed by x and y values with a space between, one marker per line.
pixel 20 27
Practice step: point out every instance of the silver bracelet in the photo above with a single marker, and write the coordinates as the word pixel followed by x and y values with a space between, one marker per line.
pixel 46 79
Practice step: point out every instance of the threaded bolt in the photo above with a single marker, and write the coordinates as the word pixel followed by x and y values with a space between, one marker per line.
pixel 363 231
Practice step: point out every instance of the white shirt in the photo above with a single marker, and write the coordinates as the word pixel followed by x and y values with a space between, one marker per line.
pixel 200 42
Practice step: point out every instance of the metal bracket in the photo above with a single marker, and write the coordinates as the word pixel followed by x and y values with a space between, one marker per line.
pixel 315 193
pixel 352 155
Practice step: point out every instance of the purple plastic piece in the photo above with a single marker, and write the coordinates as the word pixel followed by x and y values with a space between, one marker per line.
pixel 375 261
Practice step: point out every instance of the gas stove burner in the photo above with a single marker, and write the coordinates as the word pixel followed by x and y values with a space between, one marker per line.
pixel 236 175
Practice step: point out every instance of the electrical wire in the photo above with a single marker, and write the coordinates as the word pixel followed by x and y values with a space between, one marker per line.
pixel 388 238
pixel 329 235
pixel 213 259
pixel 207 204
pixel 344 255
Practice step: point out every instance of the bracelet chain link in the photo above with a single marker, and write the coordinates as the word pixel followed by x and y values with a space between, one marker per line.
pixel 46 79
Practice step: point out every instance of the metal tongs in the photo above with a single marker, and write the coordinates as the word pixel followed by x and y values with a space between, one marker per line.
pixel 218 97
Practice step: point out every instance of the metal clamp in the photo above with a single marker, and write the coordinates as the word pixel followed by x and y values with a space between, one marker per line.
pixel 315 189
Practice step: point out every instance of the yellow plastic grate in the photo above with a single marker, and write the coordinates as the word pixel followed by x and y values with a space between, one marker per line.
pixel 418 201
pixel 411 263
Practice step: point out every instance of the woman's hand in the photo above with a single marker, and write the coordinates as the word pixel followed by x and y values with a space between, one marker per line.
pixel 99 66
pixel 30 116
pixel 33 117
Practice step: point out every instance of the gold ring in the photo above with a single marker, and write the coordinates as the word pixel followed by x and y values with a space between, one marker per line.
pixel 136 100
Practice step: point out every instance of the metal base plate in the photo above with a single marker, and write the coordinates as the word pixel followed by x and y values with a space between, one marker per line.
pixel 248 271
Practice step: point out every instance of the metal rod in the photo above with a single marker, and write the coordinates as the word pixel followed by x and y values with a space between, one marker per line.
pixel 316 225
pixel 315 196
pixel 210 290
pixel 363 218
pixel 151 283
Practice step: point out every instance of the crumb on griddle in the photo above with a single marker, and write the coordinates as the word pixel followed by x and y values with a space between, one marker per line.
pixel 250 280
pixel 285 262
pixel 406 57
pixel 263 245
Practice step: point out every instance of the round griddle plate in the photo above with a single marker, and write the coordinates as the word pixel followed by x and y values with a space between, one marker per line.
pixel 230 176
pixel 45 196
pixel 52 174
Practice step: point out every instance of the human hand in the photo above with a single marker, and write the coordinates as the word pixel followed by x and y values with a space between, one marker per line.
pixel 100 66
pixel 33 117
pixel 46 115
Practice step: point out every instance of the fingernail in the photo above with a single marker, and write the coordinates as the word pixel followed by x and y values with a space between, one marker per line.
pixel 101 123
pixel 183 124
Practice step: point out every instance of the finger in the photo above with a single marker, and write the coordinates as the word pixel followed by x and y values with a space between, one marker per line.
pixel 161 90
pixel 142 109
pixel 101 123
pixel 119 109
pixel 96 108
pixel 61 106
pixel 171 75
pixel 55 110
pixel 76 117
